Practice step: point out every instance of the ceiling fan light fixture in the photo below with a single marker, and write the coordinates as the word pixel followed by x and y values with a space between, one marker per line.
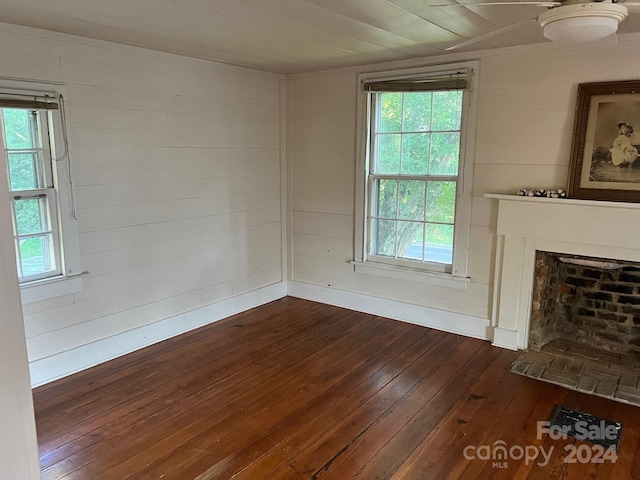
pixel 582 23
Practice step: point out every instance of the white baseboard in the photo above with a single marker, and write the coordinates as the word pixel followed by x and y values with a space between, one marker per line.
pixel 66 363
pixel 60 365
pixel 425 316
pixel 505 338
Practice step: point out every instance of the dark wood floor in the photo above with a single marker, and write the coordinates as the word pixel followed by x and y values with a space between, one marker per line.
pixel 296 389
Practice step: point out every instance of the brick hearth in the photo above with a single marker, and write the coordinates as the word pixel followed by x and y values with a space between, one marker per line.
pixel 583 368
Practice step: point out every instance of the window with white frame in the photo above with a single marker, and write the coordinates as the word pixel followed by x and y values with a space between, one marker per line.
pixel 40 195
pixel 416 171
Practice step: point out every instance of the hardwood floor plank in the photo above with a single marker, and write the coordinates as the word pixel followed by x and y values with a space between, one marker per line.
pixel 232 405
pixel 515 423
pixel 197 455
pixel 219 389
pixel 375 386
pixel 282 383
pixel 299 390
pixel 170 387
pixel 434 457
pixel 220 334
pixel 419 390
pixel 428 408
pixel 525 428
pixel 360 383
pixel 67 386
pixel 629 443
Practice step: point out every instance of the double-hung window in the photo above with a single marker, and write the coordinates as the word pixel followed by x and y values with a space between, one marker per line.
pixel 33 196
pixel 36 166
pixel 416 171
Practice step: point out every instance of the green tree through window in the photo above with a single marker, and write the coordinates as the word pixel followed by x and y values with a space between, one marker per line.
pixel 31 185
pixel 414 173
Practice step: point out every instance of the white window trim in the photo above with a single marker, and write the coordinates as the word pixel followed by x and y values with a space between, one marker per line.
pixel 69 281
pixel 458 278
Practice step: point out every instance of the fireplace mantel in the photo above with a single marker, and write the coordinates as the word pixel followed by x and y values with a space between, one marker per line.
pixel 528 224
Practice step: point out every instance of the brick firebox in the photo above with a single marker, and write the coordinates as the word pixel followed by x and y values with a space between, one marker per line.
pixel 594 302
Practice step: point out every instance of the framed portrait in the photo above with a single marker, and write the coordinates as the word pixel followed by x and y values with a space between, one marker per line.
pixel 605 151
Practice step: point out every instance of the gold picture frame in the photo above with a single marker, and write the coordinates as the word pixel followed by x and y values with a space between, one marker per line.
pixel 605 150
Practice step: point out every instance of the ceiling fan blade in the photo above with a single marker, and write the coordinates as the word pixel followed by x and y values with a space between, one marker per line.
pixel 508 2
pixel 610 41
pixel 491 34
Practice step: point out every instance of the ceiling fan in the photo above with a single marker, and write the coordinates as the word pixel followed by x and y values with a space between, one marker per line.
pixel 568 21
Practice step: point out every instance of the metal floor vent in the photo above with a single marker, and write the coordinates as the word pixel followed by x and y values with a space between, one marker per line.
pixel 585 427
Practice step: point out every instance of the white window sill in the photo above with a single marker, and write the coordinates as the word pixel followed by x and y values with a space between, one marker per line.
pixel 411 274
pixel 49 288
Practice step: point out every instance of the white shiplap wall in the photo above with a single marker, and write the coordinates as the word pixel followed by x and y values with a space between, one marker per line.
pixel 177 172
pixel 525 120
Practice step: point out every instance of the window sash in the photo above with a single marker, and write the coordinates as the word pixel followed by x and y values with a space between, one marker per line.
pixel 375 133
pixel 42 151
pixel 51 231
pixel 396 259
pixel 44 178
pixel 373 178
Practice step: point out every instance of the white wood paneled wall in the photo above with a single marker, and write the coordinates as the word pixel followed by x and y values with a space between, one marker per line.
pixel 323 162
pixel 176 165
pixel 525 121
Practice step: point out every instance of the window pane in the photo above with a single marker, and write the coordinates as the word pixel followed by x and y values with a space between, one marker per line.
pixel 387 191
pixel 410 240
pixel 31 216
pixel 36 255
pixel 445 153
pixel 441 202
pixel 385 237
pixel 390 119
pixel 411 200
pixel 417 112
pixel 388 153
pixel 23 171
pixel 19 127
pixel 438 243
pixel 415 153
pixel 416 135
pixel 447 108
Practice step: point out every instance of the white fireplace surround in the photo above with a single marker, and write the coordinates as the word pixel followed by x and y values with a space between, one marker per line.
pixel 608 230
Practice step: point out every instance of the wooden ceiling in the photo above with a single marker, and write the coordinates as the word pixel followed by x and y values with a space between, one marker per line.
pixel 285 36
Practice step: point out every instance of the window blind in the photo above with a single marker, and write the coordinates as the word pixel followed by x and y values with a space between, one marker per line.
pixel 451 80
pixel 35 102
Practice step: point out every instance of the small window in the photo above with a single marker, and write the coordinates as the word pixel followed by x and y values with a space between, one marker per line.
pixel 40 192
pixel 33 195
pixel 416 176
